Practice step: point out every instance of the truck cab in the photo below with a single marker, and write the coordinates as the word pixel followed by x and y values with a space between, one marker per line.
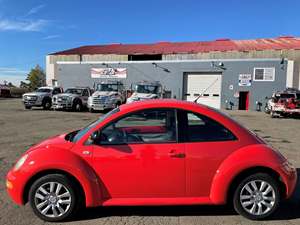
pixel 107 95
pixel 145 90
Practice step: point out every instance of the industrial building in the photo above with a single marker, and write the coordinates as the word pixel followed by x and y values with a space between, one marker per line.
pixel 224 73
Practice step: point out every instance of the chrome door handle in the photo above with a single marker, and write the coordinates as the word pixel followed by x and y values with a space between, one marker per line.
pixel 177 154
pixel 86 152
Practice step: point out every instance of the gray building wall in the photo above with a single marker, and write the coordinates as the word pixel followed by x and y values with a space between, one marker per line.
pixel 76 74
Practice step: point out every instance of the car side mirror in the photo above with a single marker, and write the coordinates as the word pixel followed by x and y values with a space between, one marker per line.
pixel 94 136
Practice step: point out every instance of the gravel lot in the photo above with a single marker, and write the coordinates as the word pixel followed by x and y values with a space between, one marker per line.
pixel 20 129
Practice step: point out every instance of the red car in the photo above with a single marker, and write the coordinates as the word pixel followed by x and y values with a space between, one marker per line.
pixel 155 152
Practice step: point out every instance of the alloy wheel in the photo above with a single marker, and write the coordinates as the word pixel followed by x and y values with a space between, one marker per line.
pixel 52 199
pixel 257 197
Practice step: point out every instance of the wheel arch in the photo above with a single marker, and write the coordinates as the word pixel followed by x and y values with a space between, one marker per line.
pixel 40 174
pixel 250 171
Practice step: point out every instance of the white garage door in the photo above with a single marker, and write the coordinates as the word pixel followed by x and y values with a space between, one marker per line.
pixel 208 87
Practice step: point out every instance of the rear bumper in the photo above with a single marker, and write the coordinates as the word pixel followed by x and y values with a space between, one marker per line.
pixel 289 178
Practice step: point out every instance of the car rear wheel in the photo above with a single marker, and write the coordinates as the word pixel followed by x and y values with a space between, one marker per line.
pixel 53 198
pixel 257 196
pixel 27 107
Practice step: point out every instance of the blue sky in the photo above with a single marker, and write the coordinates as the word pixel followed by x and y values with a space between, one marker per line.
pixel 31 29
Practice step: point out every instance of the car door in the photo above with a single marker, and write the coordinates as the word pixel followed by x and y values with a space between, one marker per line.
pixel 138 156
pixel 207 143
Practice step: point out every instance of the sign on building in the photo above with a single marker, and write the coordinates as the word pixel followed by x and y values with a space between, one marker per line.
pixel 245 80
pixel 120 73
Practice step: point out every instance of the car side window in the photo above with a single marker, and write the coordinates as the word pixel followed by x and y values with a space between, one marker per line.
pixel 200 128
pixel 150 126
pixel 56 91
pixel 85 93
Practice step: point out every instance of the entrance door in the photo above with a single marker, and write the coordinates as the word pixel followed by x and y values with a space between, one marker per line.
pixel 206 88
pixel 243 100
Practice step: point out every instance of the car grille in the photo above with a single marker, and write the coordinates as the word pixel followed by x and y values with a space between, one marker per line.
pixel 99 100
pixel 61 100
pixel 30 99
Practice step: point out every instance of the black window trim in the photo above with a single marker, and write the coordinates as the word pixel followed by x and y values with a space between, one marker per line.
pixel 141 110
pixel 184 138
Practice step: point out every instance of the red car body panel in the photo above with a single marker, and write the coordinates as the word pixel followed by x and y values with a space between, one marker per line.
pixel 148 174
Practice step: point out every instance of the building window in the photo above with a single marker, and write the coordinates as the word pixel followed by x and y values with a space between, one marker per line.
pixel 264 74
pixel 153 57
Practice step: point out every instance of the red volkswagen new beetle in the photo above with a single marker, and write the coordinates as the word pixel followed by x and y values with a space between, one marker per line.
pixel 156 152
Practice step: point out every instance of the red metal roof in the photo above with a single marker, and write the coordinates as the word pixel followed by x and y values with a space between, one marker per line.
pixel 222 45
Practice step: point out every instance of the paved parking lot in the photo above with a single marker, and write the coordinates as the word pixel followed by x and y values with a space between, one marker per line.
pixel 20 129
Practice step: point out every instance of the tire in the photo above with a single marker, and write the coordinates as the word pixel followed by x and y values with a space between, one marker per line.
pixel 47 104
pixel 91 110
pixel 77 106
pixel 27 107
pixel 266 200
pixel 41 188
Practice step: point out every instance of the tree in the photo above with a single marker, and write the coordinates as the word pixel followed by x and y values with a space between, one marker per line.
pixel 24 85
pixel 36 78
pixel 10 84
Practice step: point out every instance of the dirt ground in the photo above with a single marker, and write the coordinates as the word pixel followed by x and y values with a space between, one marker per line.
pixel 21 128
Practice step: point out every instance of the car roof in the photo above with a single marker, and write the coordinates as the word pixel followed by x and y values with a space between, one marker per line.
pixel 145 82
pixel 165 103
pixel 110 82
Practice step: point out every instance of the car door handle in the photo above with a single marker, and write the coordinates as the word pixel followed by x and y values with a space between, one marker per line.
pixel 174 154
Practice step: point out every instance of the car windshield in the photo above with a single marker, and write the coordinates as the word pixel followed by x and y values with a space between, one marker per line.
pixel 74 91
pixel 287 95
pixel 84 130
pixel 47 90
pixel 107 87
pixel 147 89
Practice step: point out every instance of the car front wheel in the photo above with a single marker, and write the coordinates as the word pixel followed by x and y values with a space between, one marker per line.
pixel 53 198
pixel 257 196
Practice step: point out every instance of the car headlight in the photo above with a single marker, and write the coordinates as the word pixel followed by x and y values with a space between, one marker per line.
pixel 20 162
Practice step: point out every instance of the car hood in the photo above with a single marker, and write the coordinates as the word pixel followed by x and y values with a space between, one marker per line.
pixel 143 95
pixel 104 93
pixel 37 93
pixel 57 141
pixel 66 95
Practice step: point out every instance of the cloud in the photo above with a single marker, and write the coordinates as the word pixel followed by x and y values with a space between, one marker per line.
pixel 51 37
pixel 13 75
pixel 24 25
pixel 35 9
pixel 11 70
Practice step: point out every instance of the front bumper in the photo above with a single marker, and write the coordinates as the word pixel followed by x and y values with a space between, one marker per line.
pixel 101 106
pixel 15 187
pixel 61 105
pixel 32 102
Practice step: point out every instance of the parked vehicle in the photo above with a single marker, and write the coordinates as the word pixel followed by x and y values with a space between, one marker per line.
pixel 42 97
pixel 145 90
pixel 285 107
pixel 75 98
pixel 155 152
pixel 107 95
pixel 283 95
